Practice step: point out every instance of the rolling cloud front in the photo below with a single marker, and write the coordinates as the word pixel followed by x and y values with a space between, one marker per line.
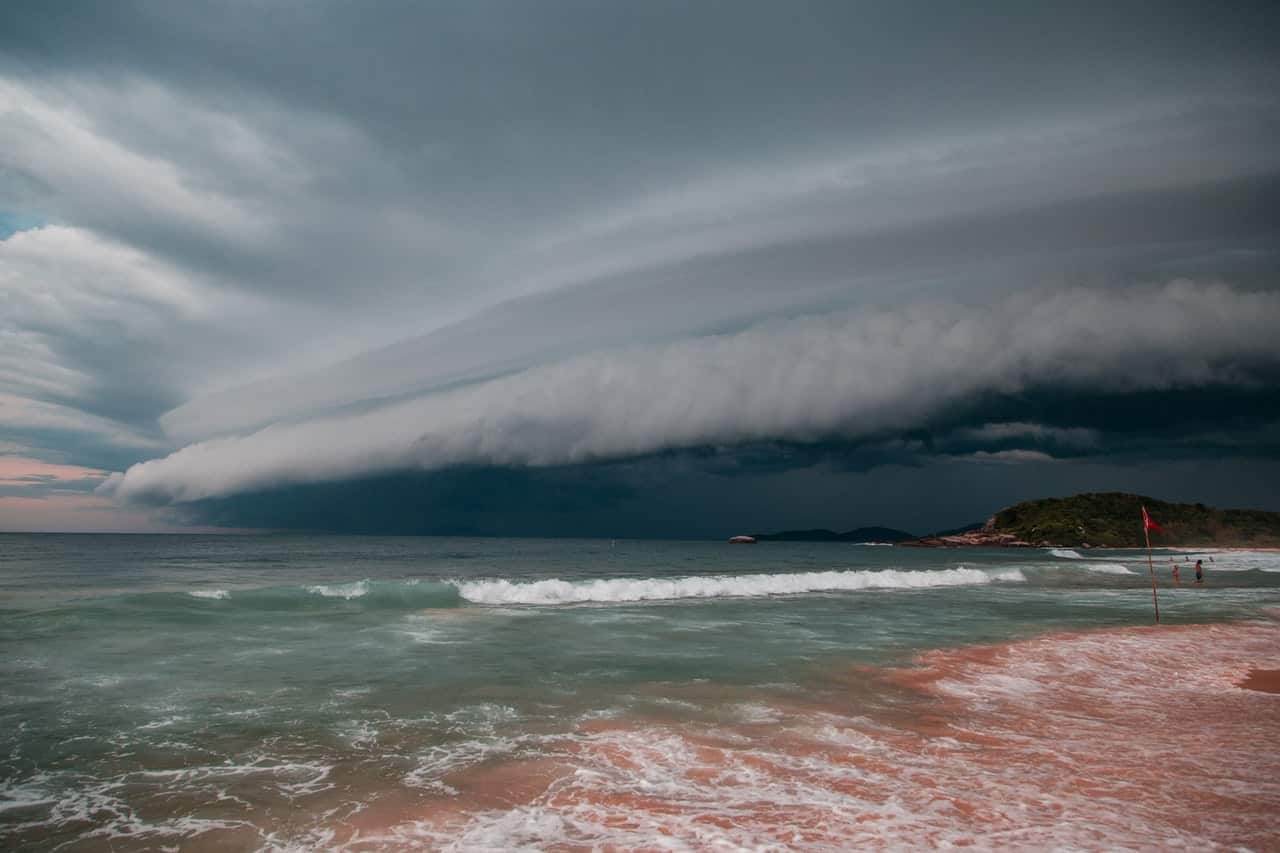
pixel 573 269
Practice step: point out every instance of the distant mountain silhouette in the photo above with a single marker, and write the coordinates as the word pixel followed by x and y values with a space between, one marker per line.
pixel 861 534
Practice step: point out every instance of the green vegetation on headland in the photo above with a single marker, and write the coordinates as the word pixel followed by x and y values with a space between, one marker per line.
pixel 1114 519
pixel 862 534
pixel 1093 519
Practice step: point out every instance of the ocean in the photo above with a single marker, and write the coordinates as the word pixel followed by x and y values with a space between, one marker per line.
pixel 379 693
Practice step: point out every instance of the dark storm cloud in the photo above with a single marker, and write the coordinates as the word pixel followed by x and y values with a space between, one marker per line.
pixel 852 374
pixel 1141 236
pixel 495 116
pixel 662 69
pixel 296 247
pixel 671 497
pixel 458 502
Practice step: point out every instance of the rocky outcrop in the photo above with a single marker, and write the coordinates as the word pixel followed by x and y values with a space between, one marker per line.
pixel 976 538
pixel 986 536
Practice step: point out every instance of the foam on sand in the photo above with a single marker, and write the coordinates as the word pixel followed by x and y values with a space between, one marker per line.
pixel 557 591
pixel 1071 741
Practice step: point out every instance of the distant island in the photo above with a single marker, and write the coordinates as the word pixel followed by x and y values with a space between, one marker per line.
pixel 861 534
pixel 1093 519
pixel 1113 520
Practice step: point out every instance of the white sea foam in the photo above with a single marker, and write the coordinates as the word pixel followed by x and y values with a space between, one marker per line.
pixel 164 722
pixel 292 778
pixel 756 712
pixel 429 637
pixel 1066 553
pixel 103 808
pixel 426 630
pixel 355 589
pixel 218 594
pixel 1109 569
pixel 729 586
pixel 480 718
pixel 361 734
pixel 19 796
pixel 825 781
pixel 436 762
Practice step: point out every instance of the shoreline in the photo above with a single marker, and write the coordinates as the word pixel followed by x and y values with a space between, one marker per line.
pixel 1080 739
pixel 1189 549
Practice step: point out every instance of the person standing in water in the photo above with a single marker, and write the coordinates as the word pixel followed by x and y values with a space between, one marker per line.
pixel 1199 572
pixel 1175 574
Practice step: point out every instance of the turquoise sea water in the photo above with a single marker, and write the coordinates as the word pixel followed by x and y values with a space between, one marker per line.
pixel 237 692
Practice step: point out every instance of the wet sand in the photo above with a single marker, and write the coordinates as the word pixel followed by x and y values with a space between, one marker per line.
pixel 1262 680
pixel 1141 738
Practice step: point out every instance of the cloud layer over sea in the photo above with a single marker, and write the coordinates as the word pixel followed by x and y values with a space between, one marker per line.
pixel 241 252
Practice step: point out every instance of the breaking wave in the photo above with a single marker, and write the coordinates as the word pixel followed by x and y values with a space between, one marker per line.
pixel 557 591
pixel 1109 569
pixel 356 589
pixel 423 593
pixel 365 594
pixel 1066 553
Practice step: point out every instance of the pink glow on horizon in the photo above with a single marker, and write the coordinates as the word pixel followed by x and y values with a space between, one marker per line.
pixel 20 471
pixel 64 510
pixel 71 513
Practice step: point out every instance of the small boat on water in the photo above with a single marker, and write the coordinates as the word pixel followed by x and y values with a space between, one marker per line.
pixel 742 540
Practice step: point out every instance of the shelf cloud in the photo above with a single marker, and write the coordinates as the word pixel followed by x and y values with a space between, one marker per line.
pixel 242 252
pixel 851 375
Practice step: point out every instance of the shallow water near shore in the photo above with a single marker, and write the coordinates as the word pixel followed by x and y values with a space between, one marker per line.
pixel 365 693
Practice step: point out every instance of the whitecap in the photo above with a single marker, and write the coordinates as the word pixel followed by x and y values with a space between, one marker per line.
pixel 217 594
pixel 1066 553
pixel 556 591
pixel 1109 569
pixel 754 712
pixel 355 589
pixel 163 722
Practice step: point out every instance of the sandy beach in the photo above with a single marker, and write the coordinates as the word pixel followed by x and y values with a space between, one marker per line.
pixel 1140 738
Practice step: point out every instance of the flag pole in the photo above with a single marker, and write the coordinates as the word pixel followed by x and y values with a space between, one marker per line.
pixel 1146 532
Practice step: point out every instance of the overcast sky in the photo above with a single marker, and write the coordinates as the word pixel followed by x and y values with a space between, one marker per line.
pixel 642 269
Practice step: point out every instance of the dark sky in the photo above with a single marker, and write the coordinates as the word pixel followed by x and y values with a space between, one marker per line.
pixel 647 269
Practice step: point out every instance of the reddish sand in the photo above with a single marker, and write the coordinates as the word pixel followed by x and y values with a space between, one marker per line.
pixel 1134 738
pixel 1263 680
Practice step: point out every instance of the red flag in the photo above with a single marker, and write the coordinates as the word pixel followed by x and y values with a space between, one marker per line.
pixel 1148 524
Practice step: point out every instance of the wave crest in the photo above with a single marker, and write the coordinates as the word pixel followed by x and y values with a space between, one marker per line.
pixel 1066 553
pixel 217 594
pixel 1109 569
pixel 557 591
pixel 355 589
